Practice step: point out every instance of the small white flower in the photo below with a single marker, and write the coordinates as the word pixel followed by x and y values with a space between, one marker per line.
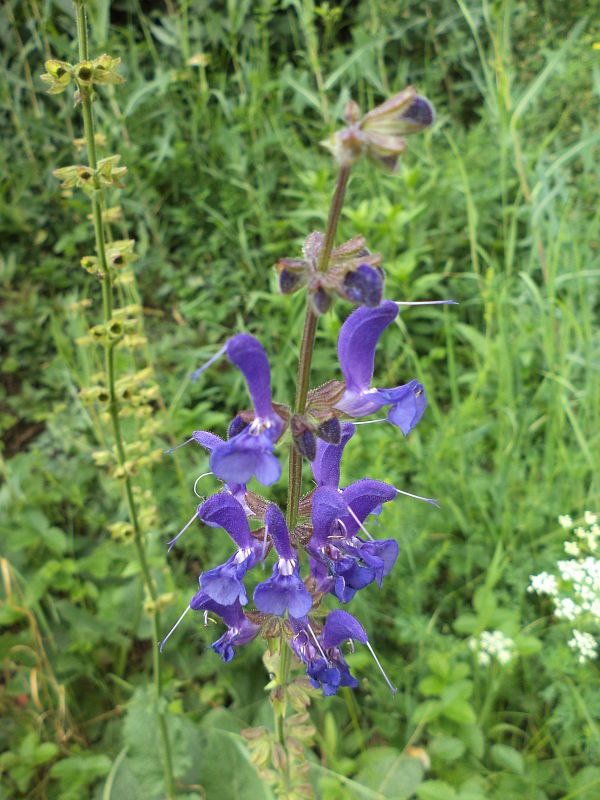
pixel 571 548
pixel 585 643
pixel 580 532
pixel 565 608
pixel 565 521
pixel 590 519
pixel 544 583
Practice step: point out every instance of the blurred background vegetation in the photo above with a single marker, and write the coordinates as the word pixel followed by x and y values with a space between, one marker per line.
pixel 219 122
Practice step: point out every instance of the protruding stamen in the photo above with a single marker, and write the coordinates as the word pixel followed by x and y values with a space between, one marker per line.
pixel 418 497
pixel 207 619
pixel 198 372
pixel 164 641
pixel 387 680
pixel 183 444
pixel 313 634
pixel 183 530
pixel 371 421
pixel 426 303
pixel 204 474
pixel 264 547
pixel 361 526
pixel 342 525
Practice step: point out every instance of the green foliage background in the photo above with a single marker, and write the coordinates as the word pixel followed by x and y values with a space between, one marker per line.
pixel 219 122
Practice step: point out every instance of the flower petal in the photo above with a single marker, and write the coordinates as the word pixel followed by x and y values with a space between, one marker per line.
pixel 249 357
pixel 340 626
pixel 357 342
pixel 327 506
pixel 326 466
pixel 222 510
pixel 363 497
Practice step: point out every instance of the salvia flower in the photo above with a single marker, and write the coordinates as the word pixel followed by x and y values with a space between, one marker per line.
pixel 240 630
pixel 326 665
pixel 249 451
pixel 224 584
pixel 351 562
pixel 356 350
pixel 284 591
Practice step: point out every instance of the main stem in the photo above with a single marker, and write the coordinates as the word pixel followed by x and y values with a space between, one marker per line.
pixel 107 304
pixel 304 363
pixel 307 345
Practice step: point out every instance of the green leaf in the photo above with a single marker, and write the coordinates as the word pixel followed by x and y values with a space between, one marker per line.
pixel 436 790
pixel 446 748
pixel 508 758
pixel 390 772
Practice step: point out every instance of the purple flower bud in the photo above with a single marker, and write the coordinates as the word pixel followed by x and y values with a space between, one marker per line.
pixel 330 431
pixel 364 285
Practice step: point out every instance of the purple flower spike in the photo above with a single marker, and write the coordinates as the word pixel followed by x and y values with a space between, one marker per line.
pixel 356 350
pixel 326 466
pixel 224 583
pixel 284 590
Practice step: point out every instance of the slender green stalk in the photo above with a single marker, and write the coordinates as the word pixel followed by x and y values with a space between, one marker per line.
pixel 107 303
pixel 304 364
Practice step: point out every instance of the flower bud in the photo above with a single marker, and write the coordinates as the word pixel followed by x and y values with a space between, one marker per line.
pixel 105 69
pixel 292 274
pixel 84 73
pixel 379 134
pixel 321 300
pixel 304 437
pixel 59 75
pixel 364 285
pixel 330 430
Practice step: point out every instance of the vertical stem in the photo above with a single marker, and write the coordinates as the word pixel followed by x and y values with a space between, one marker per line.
pixel 107 303
pixel 304 363
pixel 308 342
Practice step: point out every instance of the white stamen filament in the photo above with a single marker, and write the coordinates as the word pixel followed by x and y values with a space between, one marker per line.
pixel 164 641
pixel 207 619
pixel 242 554
pixel 181 532
pixel 183 444
pixel 371 421
pixel 342 525
pixel 362 527
pixel 204 474
pixel 320 649
pixel 286 566
pixel 418 497
pixel 387 680
pixel 264 547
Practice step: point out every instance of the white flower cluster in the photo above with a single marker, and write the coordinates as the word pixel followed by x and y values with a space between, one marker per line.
pixel 577 592
pixel 585 643
pixel 492 644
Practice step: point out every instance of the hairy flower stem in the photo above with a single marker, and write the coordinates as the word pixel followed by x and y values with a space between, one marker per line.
pixel 304 364
pixel 307 346
pixel 107 303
